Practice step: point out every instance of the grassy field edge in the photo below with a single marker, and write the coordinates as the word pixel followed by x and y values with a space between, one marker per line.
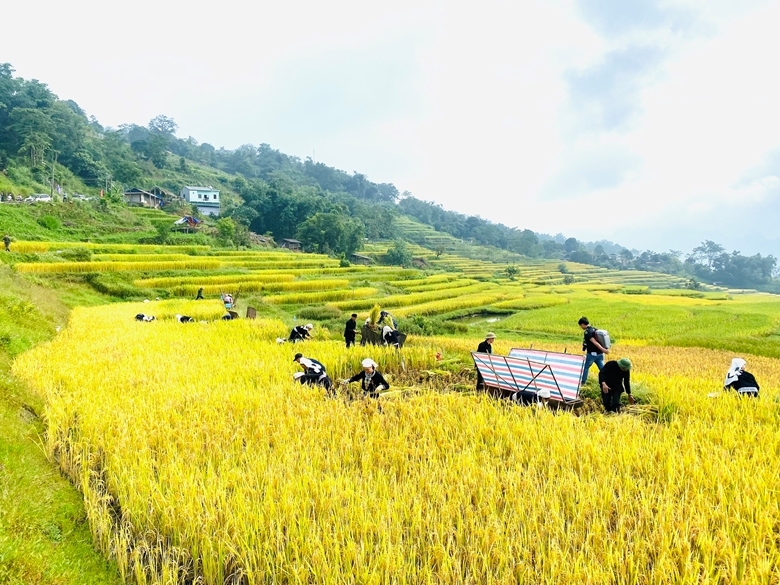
pixel 44 534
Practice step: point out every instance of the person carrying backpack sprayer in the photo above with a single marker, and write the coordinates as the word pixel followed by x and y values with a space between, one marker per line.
pixel 595 344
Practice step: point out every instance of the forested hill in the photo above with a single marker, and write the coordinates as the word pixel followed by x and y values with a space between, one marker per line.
pixel 46 142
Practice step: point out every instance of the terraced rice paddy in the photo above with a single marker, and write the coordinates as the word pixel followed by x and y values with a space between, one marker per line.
pixel 201 461
pixel 223 470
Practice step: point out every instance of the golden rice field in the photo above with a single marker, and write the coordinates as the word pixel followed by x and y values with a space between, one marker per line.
pixel 202 462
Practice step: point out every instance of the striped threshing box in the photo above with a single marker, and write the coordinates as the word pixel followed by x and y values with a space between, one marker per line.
pixel 531 371
pixel 566 369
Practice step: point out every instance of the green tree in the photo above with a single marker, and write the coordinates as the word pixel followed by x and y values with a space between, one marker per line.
pixel 226 230
pixel 330 232
pixel 707 252
pixel 399 254
pixel 163 125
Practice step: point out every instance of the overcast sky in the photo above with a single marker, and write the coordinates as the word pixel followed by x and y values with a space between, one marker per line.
pixel 654 124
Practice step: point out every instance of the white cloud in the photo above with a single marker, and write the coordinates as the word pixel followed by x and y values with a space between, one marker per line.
pixel 596 118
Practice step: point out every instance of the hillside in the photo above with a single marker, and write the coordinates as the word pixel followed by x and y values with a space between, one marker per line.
pixel 51 145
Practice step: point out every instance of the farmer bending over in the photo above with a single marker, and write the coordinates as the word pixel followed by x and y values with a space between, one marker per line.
pixel 313 372
pixel 738 379
pixel 614 377
pixel 301 332
pixel 390 336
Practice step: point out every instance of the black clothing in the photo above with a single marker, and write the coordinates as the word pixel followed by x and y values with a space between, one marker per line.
pixel 587 341
pixel 349 332
pixel 483 347
pixel 7 242
pixel 315 373
pixel 200 294
pixel 611 400
pixel 299 333
pixel 315 379
pixel 744 384
pixel 616 380
pixel 524 397
pixel 370 385
pixel 391 338
pixel 185 319
pixel 145 318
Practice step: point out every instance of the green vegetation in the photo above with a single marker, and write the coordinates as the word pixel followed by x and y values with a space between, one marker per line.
pixel 51 145
pixel 460 276
pixel 44 535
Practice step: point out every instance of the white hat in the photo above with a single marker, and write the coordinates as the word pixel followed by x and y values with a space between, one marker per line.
pixel 368 363
pixel 308 326
pixel 543 393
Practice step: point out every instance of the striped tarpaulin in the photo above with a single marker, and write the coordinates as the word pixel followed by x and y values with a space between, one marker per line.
pixel 513 374
pixel 566 368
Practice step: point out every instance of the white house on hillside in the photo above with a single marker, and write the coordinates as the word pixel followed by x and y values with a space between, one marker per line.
pixel 206 199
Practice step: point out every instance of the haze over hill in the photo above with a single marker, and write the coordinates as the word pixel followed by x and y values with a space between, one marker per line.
pixel 47 144
pixel 540 115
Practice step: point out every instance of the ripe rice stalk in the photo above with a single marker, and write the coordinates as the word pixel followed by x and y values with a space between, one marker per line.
pixel 452 304
pixel 61 267
pixel 32 246
pixel 416 298
pixel 261 286
pixel 321 296
pixel 169 282
pixel 251 474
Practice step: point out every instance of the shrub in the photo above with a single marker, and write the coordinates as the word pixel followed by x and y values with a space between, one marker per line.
pixel 77 254
pixel 50 222
pixel 320 313
pixel 419 325
pixel 454 327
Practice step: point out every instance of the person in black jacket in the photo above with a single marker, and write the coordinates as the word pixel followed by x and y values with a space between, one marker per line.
pixel 371 380
pixel 740 380
pixel 349 330
pixel 485 347
pixel 615 377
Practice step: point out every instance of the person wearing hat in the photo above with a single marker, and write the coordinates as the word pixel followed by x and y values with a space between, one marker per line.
pixel 371 380
pixel 349 330
pixel 615 377
pixel 301 332
pixel 313 372
pixel 485 347
pixel 740 380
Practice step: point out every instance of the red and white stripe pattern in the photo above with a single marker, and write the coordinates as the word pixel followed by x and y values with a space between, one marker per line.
pixel 566 369
pixel 515 374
